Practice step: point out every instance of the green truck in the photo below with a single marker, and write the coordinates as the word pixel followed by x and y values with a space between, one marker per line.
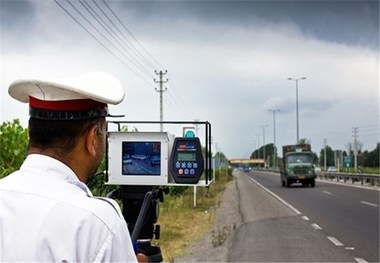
pixel 296 165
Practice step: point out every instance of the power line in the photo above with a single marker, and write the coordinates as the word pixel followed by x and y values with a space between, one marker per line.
pixel 128 43
pixel 99 42
pixel 130 33
pixel 122 45
pixel 176 103
pixel 179 96
pixel 113 35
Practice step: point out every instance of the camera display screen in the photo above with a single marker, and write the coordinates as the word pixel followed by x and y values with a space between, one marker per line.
pixel 141 158
pixel 187 157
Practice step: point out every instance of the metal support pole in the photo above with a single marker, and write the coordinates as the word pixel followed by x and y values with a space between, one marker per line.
pixel 274 138
pixel 161 91
pixel 264 126
pixel 297 116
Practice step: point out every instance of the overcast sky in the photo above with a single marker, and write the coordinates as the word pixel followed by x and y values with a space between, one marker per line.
pixel 228 62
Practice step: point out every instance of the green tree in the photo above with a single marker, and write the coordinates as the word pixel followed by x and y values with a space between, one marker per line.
pixel 259 153
pixel 372 159
pixel 315 158
pixel 329 157
pixel 221 157
pixel 304 141
pixel 269 152
pixel 13 146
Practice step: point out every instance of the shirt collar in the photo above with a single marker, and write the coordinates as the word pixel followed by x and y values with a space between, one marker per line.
pixel 55 168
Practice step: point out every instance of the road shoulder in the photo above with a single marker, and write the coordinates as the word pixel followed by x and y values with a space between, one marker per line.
pixel 214 246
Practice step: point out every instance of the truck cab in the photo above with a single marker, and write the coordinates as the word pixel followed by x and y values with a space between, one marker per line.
pixel 297 165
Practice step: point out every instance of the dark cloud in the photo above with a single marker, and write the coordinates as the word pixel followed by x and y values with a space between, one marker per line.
pixel 17 15
pixel 19 23
pixel 229 60
pixel 345 22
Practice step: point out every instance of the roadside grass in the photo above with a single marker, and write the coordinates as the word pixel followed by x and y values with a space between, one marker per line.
pixel 371 170
pixel 181 223
pixel 365 170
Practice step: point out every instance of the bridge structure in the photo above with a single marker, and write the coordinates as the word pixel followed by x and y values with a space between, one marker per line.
pixel 239 162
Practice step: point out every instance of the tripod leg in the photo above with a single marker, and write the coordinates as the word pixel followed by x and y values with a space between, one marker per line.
pixel 140 219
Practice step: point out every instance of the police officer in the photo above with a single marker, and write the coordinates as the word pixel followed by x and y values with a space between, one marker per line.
pixel 47 213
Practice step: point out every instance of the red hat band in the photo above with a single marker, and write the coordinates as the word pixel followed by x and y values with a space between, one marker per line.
pixel 67 109
pixel 65 105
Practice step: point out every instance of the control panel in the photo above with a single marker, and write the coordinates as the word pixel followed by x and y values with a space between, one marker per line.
pixel 186 162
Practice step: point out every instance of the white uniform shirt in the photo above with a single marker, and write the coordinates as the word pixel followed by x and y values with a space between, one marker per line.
pixel 47 214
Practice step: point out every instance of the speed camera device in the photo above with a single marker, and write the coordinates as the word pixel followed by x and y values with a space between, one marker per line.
pixel 186 160
pixel 153 158
pixel 141 162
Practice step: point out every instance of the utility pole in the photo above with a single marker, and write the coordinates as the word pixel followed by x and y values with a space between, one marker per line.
pixel 355 134
pixel 325 160
pixel 161 90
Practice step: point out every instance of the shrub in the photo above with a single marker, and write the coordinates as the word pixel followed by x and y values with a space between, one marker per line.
pixel 13 146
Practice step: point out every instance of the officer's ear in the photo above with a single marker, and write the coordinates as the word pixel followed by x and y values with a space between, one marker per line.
pixel 91 140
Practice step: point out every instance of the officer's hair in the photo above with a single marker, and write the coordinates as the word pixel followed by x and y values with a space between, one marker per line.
pixel 59 136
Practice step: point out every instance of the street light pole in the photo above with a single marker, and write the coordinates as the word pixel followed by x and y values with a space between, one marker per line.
pixel 297 116
pixel 274 137
pixel 264 126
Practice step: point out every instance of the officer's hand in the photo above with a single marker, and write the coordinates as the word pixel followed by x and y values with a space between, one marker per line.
pixel 142 258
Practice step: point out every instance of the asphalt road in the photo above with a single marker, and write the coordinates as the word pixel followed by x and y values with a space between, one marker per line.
pixel 328 223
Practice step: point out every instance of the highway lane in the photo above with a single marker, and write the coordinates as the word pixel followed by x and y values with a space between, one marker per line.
pixel 348 216
pixel 271 231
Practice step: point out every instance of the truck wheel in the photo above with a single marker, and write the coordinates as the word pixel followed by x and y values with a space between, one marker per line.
pixel 312 183
pixel 287 183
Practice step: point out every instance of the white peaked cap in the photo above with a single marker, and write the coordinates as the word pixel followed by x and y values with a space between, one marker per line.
pixel 98 86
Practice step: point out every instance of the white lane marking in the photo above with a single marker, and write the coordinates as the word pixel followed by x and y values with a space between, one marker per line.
pixel 326 192
pixel 361 260
pixel 276 196
pixel 350 185
pixel 316 227
pixel 368 203
pixel 375 188
pixel 349 248
pixel 335 241
pixel 305 218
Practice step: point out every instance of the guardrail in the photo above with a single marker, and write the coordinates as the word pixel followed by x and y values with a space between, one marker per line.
pixel 372 179
pixel 369 179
